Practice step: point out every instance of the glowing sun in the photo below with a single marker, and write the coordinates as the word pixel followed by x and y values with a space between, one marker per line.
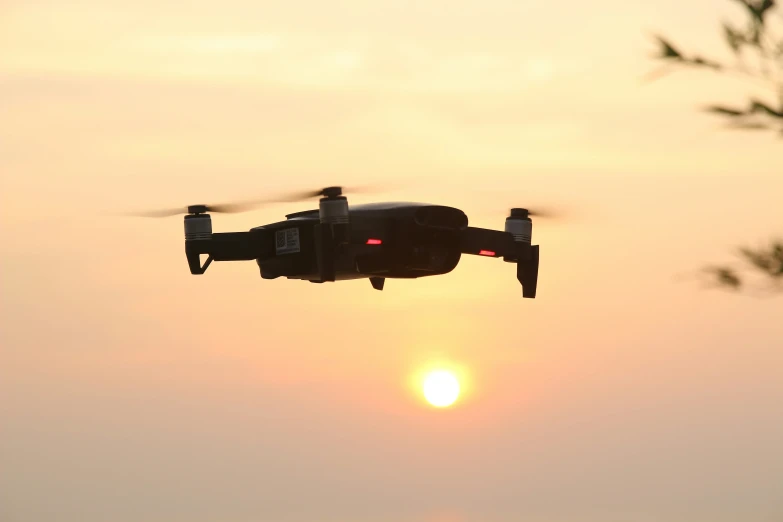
pixel 441 388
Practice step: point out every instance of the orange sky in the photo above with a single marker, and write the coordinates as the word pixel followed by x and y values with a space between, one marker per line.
pixel 132 391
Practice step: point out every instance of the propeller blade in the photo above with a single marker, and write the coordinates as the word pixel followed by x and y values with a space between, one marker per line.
pixel 545 213
pixel 291 197
pixel 234 208
pixel 160 213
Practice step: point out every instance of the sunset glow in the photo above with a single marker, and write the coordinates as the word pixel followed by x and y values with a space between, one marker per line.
pixel 441 388
pixel 134 391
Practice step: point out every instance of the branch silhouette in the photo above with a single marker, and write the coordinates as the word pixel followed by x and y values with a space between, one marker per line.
pixel 754 40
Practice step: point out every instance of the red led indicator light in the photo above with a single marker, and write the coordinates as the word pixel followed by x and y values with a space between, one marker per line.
pixel 374 241
pixel 487 253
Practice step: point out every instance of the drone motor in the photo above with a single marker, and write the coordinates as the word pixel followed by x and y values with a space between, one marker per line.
pixel 333 207
pixel 519 225
pixel 198 225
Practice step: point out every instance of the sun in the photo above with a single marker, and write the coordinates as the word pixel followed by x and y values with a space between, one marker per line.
pixel 441 388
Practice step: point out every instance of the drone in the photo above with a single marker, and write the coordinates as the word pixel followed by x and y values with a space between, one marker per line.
pixel 375 241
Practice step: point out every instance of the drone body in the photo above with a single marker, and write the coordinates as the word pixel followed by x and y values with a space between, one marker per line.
pixel 375 241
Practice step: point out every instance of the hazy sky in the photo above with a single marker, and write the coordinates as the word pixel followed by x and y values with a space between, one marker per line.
pixel 131 391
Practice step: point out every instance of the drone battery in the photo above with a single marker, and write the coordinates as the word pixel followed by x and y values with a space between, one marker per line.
pixel 198 226
pixel 291 250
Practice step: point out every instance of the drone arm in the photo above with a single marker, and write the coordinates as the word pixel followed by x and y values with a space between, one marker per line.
pixel 493 243
pixel 227 246
pixel 239 246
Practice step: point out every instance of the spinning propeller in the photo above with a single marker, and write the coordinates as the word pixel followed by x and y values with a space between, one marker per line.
pixel 245 206
pixel 540 212
pixel 327 192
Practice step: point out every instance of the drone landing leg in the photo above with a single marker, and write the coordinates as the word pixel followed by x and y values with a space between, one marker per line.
pixel 527 273
pixel 194 261
pixel 377 282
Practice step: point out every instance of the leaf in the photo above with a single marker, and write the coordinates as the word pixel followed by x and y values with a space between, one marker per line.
pixel 726 276
pixel 777 258
pixel 725 110
pixel 733 38
pixel 749 6
pixel 668 51
pixel 703 62
pixel 761 9
pixel 757 106
pixel 758 8
pixel 749 125
pixel 768 261
pixel 759 259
